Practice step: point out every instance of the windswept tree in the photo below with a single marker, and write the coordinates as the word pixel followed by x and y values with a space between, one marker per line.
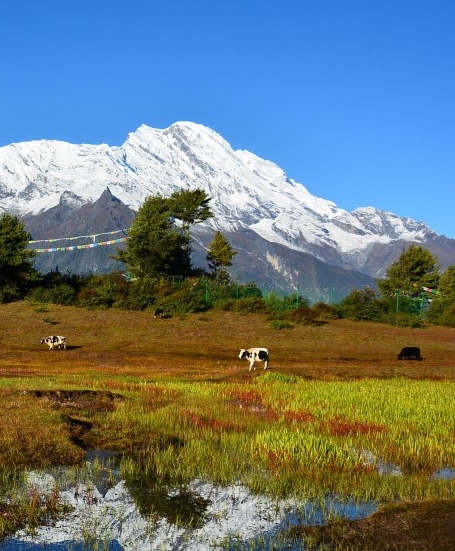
pixel 189 207
pixel 219 256
pixel 156 244
pixel 17 269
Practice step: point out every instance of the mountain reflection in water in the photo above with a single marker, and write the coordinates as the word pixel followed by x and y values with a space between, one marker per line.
pixel 109 514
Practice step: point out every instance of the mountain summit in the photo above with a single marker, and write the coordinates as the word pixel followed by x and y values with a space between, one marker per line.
pixel 283 233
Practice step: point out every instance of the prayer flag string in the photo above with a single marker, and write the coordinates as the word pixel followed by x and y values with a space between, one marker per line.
pixel 92 236
pixel 79 247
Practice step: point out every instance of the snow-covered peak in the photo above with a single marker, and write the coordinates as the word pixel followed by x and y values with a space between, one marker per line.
pixel 247 192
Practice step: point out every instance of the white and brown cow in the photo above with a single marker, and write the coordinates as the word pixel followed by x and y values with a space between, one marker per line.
pixel 54 341
pixel 255 354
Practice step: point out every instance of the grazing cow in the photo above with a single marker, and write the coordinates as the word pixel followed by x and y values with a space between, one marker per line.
pixel 410 353
pixel 54 341
pixel 159 313
pixel 253 354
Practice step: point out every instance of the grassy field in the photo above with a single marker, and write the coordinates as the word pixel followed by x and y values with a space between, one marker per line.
pixel 335 405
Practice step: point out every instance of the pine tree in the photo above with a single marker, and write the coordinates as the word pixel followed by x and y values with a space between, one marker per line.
pixel 219 255
pixel 17 269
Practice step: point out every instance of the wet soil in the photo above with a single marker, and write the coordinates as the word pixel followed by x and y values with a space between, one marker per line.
pixel 79 408
pixel 422 526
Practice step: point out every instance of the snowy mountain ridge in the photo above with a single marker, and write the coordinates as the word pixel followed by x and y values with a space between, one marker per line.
pixel 245 189
pixel 249 194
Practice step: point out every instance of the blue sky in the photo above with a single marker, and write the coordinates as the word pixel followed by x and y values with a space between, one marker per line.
pixel 355 99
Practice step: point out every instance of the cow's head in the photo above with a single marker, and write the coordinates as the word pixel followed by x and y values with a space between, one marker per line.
pixel 243 353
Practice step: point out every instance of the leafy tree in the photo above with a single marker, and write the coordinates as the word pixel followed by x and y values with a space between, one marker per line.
pixel 220 255
pixel 17 269
pixel 442 306
pixel 416 267
pixel 156 246
pixel 189 207
pixel 446 287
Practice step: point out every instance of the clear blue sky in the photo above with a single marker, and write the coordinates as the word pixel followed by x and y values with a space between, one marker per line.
pixel 355 99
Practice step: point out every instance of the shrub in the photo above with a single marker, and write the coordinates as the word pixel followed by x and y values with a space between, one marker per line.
pixel 105 291
pixel 304 315
pixel 325 311
pixel 362 305
pixel 251 305
pixel 10 292
pixel 182 301
pixel 59 294
pixel 402 319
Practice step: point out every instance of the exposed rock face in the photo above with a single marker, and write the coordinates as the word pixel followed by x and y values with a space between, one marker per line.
pixel 284 235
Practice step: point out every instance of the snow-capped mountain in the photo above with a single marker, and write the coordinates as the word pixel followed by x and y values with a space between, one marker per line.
pixel 276 225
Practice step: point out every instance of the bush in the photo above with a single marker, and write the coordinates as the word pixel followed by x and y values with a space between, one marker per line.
pixel 284 304
pixel 401 319
pixel 362 305
pixel 182 301
pixel 59 294
pixel 304 315
pixel 441 312
pixel 10 292
pixel 251 305
pixel 325 311
pixel 105 291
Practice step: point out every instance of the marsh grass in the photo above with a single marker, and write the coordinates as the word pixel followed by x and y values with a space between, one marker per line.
pixel 174 399
pixel 25 506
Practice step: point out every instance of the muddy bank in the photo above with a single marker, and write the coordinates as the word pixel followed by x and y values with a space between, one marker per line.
pixel 411 526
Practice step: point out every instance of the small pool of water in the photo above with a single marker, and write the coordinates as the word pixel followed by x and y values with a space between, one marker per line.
pixel 18 545
pixel 109 514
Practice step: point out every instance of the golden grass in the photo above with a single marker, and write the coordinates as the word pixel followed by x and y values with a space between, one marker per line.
pixel 180 392
pixel 107 343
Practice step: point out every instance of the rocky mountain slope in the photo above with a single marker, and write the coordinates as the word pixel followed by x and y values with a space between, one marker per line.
pixel 285 236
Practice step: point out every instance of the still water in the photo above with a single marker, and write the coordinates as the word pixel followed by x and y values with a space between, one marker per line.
pixel 109 515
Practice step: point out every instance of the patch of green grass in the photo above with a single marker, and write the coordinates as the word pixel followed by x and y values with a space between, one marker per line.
pixel 173 397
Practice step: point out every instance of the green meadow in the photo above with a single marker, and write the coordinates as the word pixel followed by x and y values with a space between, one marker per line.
pixel 335 415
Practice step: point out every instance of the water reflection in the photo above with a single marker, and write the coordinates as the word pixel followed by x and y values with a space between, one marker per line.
pixel 444 474
pixel 110 515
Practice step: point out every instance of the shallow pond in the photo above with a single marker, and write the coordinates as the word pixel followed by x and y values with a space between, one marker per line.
pixel 107 515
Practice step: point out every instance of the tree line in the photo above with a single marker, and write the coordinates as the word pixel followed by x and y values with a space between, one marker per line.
pixel 159 273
